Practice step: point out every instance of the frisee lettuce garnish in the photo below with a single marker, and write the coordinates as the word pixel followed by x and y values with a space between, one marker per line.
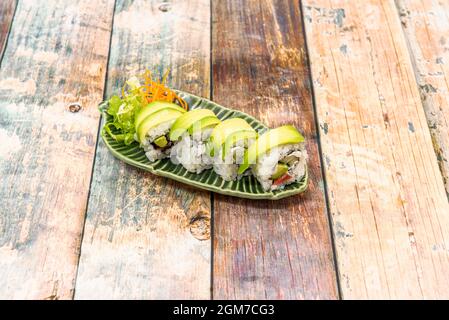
pixel 123 110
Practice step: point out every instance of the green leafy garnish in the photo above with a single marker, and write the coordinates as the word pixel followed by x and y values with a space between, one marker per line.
pixel 123 110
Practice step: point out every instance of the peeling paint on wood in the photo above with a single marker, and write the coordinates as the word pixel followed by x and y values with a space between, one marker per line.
pixel 388 201
pixel 148 237
pixel 262 249
pixel 426 28
pixel 46 151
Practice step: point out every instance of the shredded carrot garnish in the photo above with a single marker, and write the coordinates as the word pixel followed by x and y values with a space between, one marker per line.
pixel 157 91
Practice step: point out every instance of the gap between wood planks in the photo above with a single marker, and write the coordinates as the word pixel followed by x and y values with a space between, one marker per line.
pixel 425 25
pixel 96 146
pixel 323 172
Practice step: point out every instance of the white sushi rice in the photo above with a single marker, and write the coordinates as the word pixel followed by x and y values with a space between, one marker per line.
pixel 266 165
pixel 228 167
pixel 191 152
pixel 152 152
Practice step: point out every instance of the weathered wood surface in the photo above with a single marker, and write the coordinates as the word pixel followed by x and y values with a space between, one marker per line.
pixel 262 249
pixel 387 198
pixel 56 56
pixel 7 8
pixel 426 27
pixel 148 237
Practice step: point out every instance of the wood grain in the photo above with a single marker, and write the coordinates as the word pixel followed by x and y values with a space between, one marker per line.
pixel 387 198
pixel 55 60
pixel 262 249
pixel 7 8
pixel 148 237
pixel 426 27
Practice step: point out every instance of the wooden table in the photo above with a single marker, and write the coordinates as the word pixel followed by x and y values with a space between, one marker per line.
pixel 366 81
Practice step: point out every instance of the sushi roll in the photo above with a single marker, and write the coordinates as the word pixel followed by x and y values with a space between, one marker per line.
pixel 277 158
pixel 227 143
pixel 190 134
pixel 153 124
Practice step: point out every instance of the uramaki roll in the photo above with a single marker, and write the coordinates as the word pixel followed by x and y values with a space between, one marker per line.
pixel 153 123
pixel 189 134
pixel 277 158
pixel 228 142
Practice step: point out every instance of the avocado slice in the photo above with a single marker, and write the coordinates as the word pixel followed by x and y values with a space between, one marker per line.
pixel 224 130
pixel 271 139
pixel 204 123
pixel 156 119
pixel 187 120
pixel 280 170
pixel 154 107
pixel 161 141
pixel 233 138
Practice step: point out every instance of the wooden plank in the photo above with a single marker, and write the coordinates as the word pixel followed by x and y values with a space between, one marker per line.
pixel 7 8
pixel 148 237
pixel 426 27
pixel 269 249
pixel 387 198
pixel 54 63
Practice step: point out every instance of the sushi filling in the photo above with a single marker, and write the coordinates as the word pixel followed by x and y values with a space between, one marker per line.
pixel 156 144
pixel 227 166
pixel 191 152
pixel 281 166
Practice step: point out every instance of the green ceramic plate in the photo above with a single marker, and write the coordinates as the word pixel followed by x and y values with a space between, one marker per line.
pixel 247 187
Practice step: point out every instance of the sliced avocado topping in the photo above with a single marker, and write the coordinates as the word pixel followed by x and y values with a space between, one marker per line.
pixel 280 170
pixel 271 139
pixel 156 119
pixel 226 129
pixel 161 141
pixel 187 120
pixel 203 124
pixel 154 107
pixel 235 137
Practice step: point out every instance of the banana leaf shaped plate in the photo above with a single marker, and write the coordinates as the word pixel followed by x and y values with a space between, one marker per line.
pixel 247 187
